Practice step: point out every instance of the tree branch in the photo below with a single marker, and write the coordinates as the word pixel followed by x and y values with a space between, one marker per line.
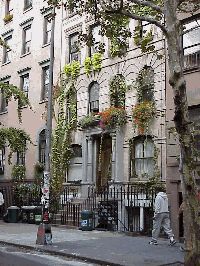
pixel 134 16
pixel 147 3
pixel 142 18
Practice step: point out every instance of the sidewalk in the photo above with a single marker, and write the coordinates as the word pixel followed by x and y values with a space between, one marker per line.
pixel 106 248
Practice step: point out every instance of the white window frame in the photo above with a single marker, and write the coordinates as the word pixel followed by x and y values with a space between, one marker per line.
pixel 190 47
pixel 141 161
pixel 45 64
pixel 26 26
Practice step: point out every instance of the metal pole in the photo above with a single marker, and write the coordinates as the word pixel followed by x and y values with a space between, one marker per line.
pixel 44 235
pixel 49 119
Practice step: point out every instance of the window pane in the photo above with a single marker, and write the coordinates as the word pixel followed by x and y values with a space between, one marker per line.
pixel 26 85
pixel 191 44
pixel 73 48
pixel 94 97
pixel 97 39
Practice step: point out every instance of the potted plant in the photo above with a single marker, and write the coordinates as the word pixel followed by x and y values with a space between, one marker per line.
pixel 112 117
pixel 8 18
pixel 142 115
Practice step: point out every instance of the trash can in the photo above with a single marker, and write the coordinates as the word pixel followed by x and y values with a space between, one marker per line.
pixel 25 211
pixel 13 212
pixel 38 214
pixel 31 214
pixel 87 220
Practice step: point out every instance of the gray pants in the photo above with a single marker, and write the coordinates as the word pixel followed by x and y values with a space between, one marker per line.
pixel 161 219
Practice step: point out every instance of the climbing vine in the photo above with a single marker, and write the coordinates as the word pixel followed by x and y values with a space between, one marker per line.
pixel 65 101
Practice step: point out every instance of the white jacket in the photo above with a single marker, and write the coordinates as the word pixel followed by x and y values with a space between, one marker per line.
pixel 161 203
pixel 1 199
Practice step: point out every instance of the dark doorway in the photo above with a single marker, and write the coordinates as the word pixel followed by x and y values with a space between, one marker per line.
pixel 104 160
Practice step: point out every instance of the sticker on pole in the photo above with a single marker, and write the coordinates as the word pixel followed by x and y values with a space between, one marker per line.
pixel 84 223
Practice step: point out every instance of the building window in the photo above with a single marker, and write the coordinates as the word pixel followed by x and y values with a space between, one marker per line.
pixel 77 150
pixel 73 48
pixel 7 50
pixel 27 40
pixel 145 84
pixel 4 103
pixel 141 163
pixel 2 161
pixel 9 8
pixel 96 39
pixel 42 146
pixel 191 43
pixel 47 30
pixel 21 156
pixel 25 84
pixel 27 4
pixel 45 83
pixel 94 97
pixel 117 91
pixel 194 115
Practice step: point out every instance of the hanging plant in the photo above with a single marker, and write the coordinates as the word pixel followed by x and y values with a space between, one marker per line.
pixel 142 115
pixel 93 63
pixel 112 117
pixel 96 61
pixel 88 65
pixel 72 71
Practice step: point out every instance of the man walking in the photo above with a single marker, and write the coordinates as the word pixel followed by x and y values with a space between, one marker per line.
pixel 161 217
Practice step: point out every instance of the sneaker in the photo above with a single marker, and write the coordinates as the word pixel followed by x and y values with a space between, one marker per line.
pixel 172 243
pixel 153 242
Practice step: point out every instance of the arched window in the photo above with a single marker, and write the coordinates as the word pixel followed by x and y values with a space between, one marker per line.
pixel 146 84
pixel 117 91
pixel 42 145
pixel 94 97
pixel 142 153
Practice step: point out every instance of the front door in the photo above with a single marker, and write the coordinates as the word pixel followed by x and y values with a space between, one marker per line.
pixel 104 160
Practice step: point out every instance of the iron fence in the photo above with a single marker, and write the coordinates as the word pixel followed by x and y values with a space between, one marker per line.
pixel 115 207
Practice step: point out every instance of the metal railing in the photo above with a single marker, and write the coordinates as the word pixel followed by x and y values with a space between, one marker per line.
pixel 115 207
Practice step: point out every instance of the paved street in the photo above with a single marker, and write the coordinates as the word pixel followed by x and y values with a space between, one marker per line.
pixel 107 248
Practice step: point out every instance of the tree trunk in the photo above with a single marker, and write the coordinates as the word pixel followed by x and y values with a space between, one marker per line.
pixel 186 140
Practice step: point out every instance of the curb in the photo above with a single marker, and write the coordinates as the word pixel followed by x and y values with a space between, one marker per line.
pixel 68 255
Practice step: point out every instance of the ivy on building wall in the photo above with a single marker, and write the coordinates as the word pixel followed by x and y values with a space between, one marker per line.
pixel 9 91
pixel 66 122
pixel 15 138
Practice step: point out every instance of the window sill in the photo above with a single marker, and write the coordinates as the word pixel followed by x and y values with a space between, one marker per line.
pixel 5 112
pixel 24 106
pixel 27 9
pixel 23 55
pixel 43 101
pixel 6 63
pixel 45 45
pixel 191 69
